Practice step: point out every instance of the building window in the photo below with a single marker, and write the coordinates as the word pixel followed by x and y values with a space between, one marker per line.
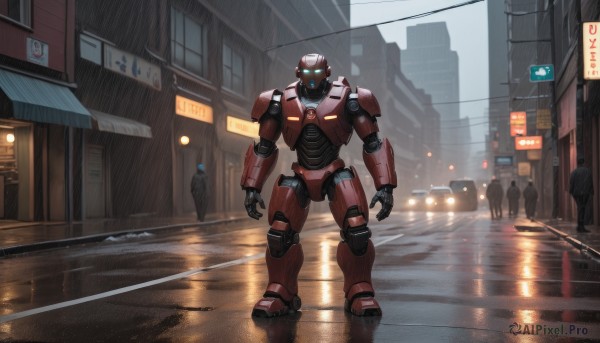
pixel 356 49
pixel 17 10
pixel 188 43
pixel 233 70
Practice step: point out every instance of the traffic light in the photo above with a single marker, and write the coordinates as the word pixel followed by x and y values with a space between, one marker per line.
pixel 484 164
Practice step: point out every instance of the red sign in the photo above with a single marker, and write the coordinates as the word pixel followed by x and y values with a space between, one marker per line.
pixel 528 143
pixel 518 124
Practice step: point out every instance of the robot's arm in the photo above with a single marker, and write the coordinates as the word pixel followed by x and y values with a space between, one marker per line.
pixel 377 154
pixel 262 156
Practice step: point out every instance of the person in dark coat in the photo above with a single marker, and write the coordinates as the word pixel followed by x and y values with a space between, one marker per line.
pixel 513 193
pixel 199 189
pixel 581 188
pixel 530 195
pixel 489 194
pixel 498 195
pixel 495 193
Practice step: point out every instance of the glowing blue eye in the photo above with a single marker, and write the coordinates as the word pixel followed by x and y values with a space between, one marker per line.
pixel 306 71
pixel 318 71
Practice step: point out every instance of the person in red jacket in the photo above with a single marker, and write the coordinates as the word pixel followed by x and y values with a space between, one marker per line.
pixel 316 117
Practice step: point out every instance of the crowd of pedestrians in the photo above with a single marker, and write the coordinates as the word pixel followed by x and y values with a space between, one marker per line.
pixel 495 195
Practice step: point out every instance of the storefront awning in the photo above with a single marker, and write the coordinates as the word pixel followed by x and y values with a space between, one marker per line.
pixel 43 102
pixel 111 123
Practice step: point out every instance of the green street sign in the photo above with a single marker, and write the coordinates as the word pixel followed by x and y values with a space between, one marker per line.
pixel 541 73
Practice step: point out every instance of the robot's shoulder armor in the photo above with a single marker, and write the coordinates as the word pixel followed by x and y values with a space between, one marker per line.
pixel 342 81
pixel 267 102
pixel 366 100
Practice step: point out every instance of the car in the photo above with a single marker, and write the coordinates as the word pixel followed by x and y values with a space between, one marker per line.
pixel 416 201
pixel 440 198
pixel 465 194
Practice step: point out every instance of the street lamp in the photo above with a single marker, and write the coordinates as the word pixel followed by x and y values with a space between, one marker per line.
pixel 10 138
pixel 184 140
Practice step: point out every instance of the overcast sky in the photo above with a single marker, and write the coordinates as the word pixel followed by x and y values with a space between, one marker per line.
pixel 468 29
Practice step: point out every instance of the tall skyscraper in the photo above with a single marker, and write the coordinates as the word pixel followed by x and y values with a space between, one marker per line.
pixel 432 66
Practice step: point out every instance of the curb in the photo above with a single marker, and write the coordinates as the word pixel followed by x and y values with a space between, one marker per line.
pixel 583 248
pixel 25 248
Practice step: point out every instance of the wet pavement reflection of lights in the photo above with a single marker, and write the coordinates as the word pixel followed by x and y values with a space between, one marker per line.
pixel 325 277
pixel 525 262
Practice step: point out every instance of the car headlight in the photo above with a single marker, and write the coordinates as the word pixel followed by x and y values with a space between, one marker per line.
pixel 429 201
pixel 450 201
pixel 412 202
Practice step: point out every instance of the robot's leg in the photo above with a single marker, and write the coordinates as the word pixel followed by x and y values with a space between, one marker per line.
pixel 288 210
pixel 355 253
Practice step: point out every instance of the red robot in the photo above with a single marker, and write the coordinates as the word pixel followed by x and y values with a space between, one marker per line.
pixel 316 117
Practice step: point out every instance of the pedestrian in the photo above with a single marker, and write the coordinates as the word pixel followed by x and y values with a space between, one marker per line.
pixel 498 196
pixel 489 194
pixel 530 195
pixel 513 193
pixel 199 189
pixel 581 188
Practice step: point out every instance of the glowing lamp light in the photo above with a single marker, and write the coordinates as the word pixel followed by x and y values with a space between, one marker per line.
pixel 10 138
pixel 184 140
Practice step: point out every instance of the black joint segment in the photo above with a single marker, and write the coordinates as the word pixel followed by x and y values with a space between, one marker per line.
pixel 372 143
pixel 353 106
pixel 280 242
pixel 264 148
pixel 274 108
pixel 357 239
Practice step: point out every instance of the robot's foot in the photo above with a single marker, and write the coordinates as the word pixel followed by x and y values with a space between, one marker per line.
pixel 363 307
pixel 273 307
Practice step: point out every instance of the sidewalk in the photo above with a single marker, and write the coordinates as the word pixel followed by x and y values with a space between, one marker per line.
pixel 587 243
pixel 22 237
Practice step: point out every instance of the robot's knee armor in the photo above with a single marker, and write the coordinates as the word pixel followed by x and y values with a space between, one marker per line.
pixel 280 241
pixel 357 239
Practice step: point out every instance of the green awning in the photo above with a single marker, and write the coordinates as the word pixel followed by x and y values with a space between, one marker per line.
pixel 111 123
pixel 43 102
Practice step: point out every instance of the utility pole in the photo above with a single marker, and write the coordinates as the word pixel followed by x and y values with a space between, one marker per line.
pixel 554 116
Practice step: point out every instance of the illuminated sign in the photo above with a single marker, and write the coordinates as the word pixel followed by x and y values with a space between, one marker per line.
pixel 591 51
pixel 528 143
pixel 242 127
pixel 518 124
pixel 193 109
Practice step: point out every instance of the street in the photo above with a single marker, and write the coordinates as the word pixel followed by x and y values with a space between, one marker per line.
pixel 438 277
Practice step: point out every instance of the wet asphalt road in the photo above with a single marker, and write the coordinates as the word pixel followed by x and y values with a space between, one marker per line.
pixel 438 277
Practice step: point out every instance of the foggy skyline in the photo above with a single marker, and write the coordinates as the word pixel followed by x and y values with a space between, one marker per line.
pixel 468 29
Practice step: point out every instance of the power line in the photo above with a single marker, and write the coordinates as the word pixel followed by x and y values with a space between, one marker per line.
pixel 421 15
pixel 471 100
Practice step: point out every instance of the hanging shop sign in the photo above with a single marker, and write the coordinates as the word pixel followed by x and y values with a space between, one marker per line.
pixel 134 67
pixel 37 52
pixel 518 124
pixel 242 127
pixel 543 120
pixel 534 155
pixel 193 109
pixel 528 143
pixel 591 50
pixel 524 168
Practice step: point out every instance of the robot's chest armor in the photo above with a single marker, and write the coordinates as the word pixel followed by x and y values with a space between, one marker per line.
pixel 328 115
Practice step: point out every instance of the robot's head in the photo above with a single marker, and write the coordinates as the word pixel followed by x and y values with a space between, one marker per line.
pixel 312 69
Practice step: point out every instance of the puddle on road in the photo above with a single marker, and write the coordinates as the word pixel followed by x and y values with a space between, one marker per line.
pixel 529 228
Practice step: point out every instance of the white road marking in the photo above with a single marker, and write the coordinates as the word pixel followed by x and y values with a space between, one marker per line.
pixel 27 313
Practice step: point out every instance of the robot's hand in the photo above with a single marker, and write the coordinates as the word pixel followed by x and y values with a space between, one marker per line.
pixel 253 197
pixel 386 198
